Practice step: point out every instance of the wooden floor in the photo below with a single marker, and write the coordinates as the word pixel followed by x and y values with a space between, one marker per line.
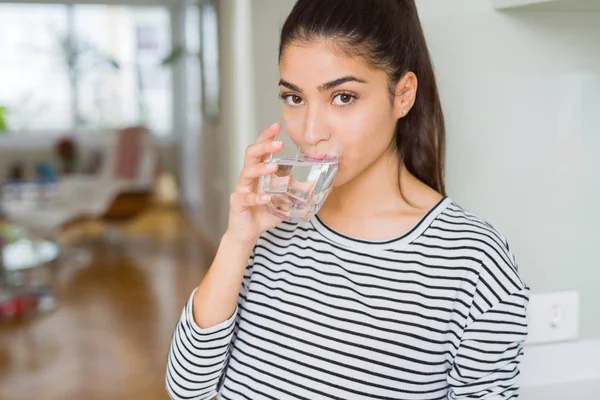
pixel 109 338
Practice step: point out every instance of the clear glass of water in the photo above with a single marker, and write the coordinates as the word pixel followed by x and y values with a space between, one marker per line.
pixel 308 164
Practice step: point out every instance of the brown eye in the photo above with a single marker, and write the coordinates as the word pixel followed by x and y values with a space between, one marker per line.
pixel 292 100
pixel 343 99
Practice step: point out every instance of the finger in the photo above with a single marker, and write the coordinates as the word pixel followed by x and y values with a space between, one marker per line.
pixel 251 172
pixel 255 153
pixel 242 201
pixel 269 133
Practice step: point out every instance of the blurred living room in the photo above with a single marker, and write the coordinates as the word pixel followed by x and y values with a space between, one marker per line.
pixel 123 128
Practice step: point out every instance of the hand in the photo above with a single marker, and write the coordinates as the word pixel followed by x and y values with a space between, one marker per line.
pixel 248 217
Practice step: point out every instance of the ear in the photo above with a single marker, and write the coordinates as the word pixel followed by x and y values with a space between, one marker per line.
pixel 405 94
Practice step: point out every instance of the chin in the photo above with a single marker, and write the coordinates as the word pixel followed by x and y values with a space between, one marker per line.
pixel 342 178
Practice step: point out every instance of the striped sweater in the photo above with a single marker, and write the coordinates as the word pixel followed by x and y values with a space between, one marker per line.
pixel 438 313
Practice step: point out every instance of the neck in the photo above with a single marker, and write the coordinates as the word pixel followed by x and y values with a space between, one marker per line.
pixel 376 191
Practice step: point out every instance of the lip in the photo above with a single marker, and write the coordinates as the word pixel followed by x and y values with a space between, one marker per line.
pixel 315 156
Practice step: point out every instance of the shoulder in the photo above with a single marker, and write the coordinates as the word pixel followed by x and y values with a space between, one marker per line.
pixel 497 265
pixel 460 224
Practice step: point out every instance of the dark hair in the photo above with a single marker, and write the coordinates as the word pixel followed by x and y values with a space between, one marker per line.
pixel 388 34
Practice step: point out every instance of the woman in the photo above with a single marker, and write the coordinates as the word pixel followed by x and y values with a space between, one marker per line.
pixel 393 291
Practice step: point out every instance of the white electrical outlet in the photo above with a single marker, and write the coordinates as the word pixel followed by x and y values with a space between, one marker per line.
pixel 553 317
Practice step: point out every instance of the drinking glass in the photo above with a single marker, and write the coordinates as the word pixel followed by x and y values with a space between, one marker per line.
pixel 308 164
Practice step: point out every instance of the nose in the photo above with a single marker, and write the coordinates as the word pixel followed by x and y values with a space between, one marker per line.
pixel 314 130
pixel 314 133
pixel 314 111
pixel 317 140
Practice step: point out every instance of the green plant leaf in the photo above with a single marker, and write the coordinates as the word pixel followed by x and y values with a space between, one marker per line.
pixel 3 112
pixel 114 63
pixel 173 57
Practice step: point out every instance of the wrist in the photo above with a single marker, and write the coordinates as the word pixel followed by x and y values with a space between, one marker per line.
pixel 229 243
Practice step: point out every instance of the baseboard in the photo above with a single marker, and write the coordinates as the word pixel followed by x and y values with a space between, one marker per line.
pixel 561 364
pixel 584 390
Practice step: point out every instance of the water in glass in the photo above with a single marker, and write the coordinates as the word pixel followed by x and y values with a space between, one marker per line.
pixel 300 186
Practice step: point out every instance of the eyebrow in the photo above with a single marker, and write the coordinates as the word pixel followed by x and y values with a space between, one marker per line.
pixel 326 86
pixel 290 86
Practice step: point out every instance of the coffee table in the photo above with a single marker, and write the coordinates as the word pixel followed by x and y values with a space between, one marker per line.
pixel 16 295
pixel 26 254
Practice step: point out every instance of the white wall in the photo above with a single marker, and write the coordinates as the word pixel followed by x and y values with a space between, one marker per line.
pixel 521 94
pixel 224 141
pixel 267 19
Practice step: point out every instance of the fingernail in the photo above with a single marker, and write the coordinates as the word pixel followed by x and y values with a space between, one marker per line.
pixel 275 125
pixel 277 143
pixel 265 197
pixel 271 166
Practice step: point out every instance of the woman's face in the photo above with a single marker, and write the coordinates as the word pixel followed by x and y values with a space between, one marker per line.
pixel 345 95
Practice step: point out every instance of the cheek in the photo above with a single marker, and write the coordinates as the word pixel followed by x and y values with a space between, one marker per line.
pixel 293 113
pixel 365 132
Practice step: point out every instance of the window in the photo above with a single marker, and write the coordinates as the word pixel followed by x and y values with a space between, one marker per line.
pixel 84 68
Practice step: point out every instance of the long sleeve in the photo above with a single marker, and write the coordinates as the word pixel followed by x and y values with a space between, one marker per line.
pixel 486 365
pixel 198 357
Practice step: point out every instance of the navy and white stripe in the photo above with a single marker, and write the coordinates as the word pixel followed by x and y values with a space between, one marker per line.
pixel 438 313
